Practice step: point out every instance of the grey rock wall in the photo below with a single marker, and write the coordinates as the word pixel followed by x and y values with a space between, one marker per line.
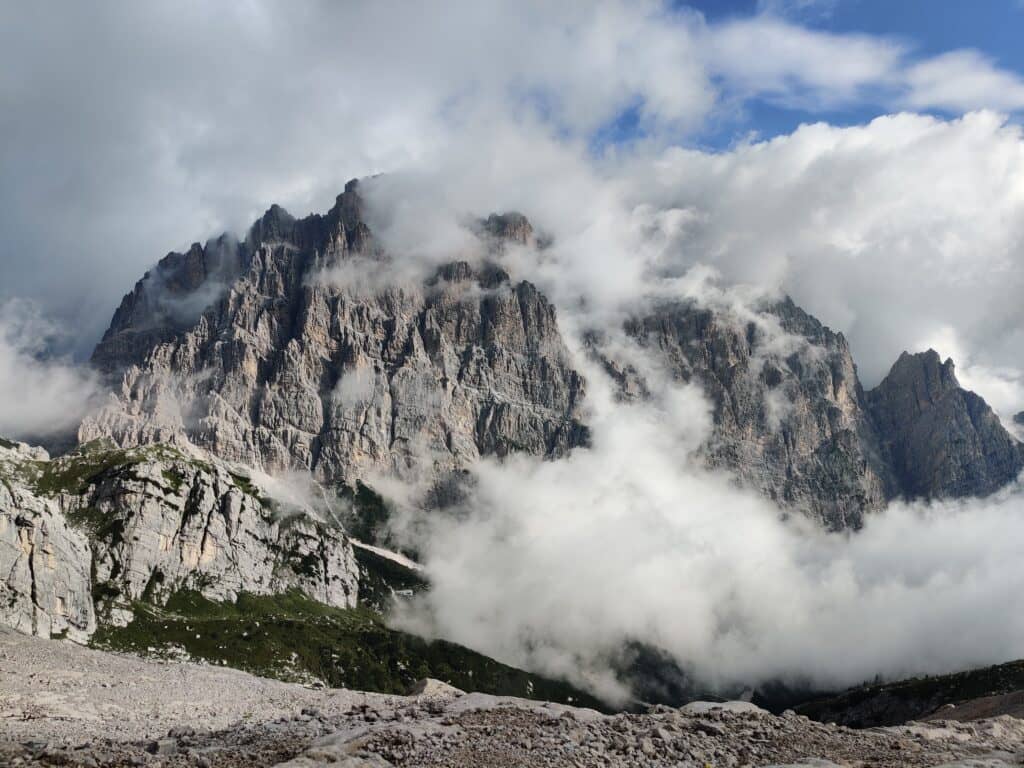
pixel 88 534
pixel 306 362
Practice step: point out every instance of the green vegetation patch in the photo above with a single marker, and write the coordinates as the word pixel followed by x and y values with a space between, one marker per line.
pixel 101 525
pixel 292 637
pixel 370 513
pixel 74 472
pixel 174 479
pixel 249 488
pixel 380 577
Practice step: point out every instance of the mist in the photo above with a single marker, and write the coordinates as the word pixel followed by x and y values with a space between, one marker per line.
pixel 556 566
pixel 42 394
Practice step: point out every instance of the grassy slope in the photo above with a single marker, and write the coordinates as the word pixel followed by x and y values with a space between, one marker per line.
pixel 291 637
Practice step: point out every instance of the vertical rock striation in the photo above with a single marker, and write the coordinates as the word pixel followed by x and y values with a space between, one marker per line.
pixel 308 359
pixel 307 346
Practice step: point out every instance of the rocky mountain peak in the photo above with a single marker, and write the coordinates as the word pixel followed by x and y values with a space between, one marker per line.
pixel 297 364
pixel 943 440
pixel 511 226
pixel 276 225
pixel 923 376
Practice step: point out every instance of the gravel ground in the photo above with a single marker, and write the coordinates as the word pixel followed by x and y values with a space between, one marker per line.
pixel 61 704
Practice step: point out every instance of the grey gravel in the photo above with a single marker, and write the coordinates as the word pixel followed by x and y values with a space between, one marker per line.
pixel 62 704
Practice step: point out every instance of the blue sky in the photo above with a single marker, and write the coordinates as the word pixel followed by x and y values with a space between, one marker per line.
pixel 926 28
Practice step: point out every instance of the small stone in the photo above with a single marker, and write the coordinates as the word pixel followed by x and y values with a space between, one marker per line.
pixel 162 747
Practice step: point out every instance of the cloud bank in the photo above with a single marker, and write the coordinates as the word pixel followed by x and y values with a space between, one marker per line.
pixel 555 566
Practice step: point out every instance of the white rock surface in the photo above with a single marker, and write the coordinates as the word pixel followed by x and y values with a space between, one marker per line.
pixel 143 524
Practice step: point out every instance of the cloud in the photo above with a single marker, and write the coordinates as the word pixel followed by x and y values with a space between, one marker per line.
pixel 809 69
pixel 860 225
pixel 963 80
pixel 40 395
pixel 797 66
pixel 188 120
pixel 555 566
pixel 889 232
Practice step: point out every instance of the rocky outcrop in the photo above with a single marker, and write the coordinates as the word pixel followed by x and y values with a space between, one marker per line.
pixel 310 360
pixel 789 412
pixel 943 440
pixel 91 533
pixel 45 587
pixel 160 526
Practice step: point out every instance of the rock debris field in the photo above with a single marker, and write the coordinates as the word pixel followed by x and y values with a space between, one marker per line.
pixel 62 704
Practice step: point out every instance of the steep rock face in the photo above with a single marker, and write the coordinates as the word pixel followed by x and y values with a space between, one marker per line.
pixel 309 359
pixel 89 533
pixel 167 300
pixel 162 526
pixel 789 415
pixel 944 441
pixel 45 588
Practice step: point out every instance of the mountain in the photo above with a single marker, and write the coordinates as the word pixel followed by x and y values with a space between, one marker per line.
pixel 789 413
pixel 969 695
pixel 943 441
pixel 305 346
pixel 303 360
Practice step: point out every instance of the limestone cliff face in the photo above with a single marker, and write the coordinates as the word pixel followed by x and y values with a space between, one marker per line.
pixel 85 535
pixel 308 360
pixel 789 415
pixel 943 440
pixel 45 586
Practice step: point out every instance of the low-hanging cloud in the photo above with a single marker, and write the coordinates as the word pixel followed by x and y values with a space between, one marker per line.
pixel 556 566
pixel 40 395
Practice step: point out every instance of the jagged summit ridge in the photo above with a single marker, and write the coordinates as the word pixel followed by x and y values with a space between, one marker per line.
pixel 942 440
pixel 291 367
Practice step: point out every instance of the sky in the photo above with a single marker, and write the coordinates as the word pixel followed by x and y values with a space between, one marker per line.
pixel 865 157
pixel 131 132
pixel 922 28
